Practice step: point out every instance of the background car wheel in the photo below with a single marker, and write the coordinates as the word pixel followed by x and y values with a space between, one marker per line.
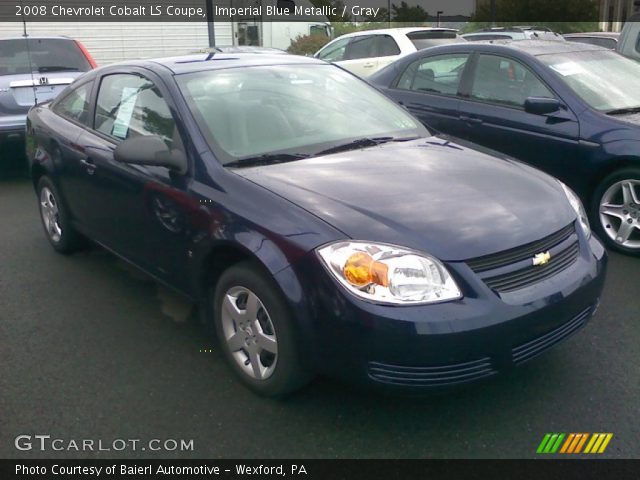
pixel 616 210
pixel 256 332
pixel 55 219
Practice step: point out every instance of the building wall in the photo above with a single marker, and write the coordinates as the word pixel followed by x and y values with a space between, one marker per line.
pixel 112 42
pixel 613 13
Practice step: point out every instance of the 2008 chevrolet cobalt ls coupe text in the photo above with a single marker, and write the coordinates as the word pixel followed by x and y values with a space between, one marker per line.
pixel 320 227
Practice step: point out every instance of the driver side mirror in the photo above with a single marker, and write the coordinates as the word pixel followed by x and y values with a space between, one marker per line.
pixel 150 150
pixel 541 105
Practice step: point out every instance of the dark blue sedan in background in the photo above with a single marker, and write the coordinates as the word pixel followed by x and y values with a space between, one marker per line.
pixel 570 109
pixel 319 227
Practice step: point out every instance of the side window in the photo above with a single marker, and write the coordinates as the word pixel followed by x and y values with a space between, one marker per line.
pixel 638 43
pixel 386 46
pixel 361 47
pixel 318 30
pixel 75 105
pixel 130 105
pixel 439 74
pixel 335 51
pixel 505 81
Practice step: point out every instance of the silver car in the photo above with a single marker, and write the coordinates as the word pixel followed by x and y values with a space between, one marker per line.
pixel 34 70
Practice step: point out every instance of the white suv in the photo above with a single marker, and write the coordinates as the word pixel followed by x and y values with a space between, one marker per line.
pixel 366 52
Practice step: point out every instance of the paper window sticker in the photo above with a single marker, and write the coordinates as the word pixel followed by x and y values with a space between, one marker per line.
pixel 125 111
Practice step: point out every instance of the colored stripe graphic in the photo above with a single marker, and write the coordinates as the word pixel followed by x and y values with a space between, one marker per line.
pixel 598 443
pixel 543 443
pixel 573 443
pixel 556 445
pixel 581 442
pixel 567 443
pixel 550 443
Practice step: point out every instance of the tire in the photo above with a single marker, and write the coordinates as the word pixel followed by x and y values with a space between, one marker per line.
pixel 55 219
pixel 256 331
pixel 616 211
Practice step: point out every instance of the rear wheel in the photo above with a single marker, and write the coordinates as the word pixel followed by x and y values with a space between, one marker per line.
pixel 55 219
pixel 617 210
pixel 256 331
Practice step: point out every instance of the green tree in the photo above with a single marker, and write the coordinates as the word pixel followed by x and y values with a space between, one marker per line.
pixel 381 17
pixel 405 13
pixel 563 16
pixel 307 44
pixel 338 5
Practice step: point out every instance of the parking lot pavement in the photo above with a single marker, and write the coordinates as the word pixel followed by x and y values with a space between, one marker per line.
pixel 91 349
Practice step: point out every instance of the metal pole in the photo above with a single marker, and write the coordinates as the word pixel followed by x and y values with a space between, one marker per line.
pixel 210 27
pixel 389 13
pixel 438 13
pixel 493 13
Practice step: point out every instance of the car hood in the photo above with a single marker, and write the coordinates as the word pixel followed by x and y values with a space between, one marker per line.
pixel 431 195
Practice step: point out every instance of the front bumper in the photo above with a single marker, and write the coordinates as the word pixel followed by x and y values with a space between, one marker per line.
pixel 442 345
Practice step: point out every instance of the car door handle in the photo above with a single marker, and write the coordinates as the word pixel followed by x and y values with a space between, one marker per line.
pixel 368 65
pixel 470 120
pixel 89 165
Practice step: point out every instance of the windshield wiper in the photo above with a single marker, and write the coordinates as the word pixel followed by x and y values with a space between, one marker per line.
pixel 266 159
pixel 57 68
pixel 362 143
pixel 623 111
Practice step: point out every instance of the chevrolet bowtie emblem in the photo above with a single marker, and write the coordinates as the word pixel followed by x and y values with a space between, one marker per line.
pixel 541 258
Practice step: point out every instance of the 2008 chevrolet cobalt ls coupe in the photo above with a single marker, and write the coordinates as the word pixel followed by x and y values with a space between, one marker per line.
pixel 320 227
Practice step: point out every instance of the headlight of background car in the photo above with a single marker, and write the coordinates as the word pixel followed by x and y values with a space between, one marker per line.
pixel 579 209
pixel 389 274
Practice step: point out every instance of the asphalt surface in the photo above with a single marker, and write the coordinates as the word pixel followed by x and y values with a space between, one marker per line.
pixel 91 349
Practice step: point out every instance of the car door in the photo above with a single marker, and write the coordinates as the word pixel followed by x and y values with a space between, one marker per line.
pixel 137 211
pixel 428 88
pixel 360 55
pixel 492 113
pixel 386 52
pixel 70 115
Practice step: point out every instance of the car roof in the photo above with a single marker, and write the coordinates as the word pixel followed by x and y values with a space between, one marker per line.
pixel 218 61
pixel 514 34
pixel 404 30
pixel 592 34
pixel 544 47
pixel 531 47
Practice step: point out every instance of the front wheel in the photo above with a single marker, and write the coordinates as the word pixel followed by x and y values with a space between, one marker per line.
pixel 616 210
pixel 256 331
pixel 55 219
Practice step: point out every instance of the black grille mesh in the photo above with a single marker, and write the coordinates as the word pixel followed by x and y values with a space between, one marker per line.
pixel 521 277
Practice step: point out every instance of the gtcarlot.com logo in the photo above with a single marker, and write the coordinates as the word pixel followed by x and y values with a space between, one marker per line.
pixel 44 443
pixel 574 443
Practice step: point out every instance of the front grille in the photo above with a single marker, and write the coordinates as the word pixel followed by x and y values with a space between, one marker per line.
pixel 513 269
pixel 431 376
pixel 535 347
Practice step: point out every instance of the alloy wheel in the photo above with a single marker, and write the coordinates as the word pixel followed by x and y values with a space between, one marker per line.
pixel 620 213
pixel 249 333
pixel 50 214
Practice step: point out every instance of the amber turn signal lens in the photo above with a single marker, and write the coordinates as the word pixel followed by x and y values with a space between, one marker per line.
pixel 361 269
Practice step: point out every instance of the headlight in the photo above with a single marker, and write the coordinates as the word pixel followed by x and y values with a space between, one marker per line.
pixel 389 274
pixel 578 208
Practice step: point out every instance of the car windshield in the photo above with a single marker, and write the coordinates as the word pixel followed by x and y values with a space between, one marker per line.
pixel 292 110
pixel 41 55
pixel 603 79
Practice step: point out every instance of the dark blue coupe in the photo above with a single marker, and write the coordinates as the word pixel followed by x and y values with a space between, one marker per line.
pixel 570 109
pixel 319 227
